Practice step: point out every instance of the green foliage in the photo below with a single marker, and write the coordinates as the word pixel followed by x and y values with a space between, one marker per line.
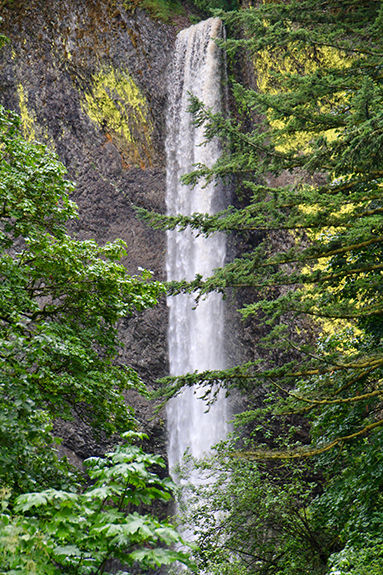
pixel 209 6
pixel 255 518
pixel 163 10
pixel 80 532
pixel 3 39
pixel 248 518
pixel 60 301
pixel 305 153
pixel 367 560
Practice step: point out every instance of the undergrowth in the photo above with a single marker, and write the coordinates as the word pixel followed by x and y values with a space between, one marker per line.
pixel 159 9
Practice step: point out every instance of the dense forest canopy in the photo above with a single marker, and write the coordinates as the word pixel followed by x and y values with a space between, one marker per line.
pixel 305 153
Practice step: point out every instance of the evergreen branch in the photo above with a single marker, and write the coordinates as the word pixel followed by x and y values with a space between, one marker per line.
pixel 347 49
pixel 324 254
pixel 365 312
pixel 323 402
pixel 353 381
pixel 303 453
pixel 331 277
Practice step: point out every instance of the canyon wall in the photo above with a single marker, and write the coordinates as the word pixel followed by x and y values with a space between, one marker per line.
pixel 88 78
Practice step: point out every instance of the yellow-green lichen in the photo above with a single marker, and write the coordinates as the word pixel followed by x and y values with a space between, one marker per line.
pixel 297 62
pixel 118 107
pixel 31 129
pixel 27 120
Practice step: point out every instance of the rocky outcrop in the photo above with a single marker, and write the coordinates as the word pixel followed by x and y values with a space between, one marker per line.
pixel 88 78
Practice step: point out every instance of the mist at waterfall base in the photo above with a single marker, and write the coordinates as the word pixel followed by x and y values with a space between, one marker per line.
pixel 196 336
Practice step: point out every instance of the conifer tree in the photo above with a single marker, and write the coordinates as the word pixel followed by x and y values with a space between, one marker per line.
pixel 308 170
pixel 320 122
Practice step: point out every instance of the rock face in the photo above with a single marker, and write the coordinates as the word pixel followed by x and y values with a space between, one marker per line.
pixel 88 78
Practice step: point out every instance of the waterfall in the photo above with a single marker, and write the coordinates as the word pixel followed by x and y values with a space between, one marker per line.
pixel 195 335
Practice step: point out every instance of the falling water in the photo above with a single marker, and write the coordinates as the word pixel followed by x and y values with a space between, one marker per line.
pixel 195 335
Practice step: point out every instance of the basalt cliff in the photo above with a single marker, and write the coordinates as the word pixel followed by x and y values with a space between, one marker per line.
pixel 89 79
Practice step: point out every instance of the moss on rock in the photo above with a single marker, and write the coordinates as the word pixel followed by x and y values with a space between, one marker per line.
pixel 117 106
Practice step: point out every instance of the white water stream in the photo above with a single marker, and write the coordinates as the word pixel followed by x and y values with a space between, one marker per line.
pixel 195 336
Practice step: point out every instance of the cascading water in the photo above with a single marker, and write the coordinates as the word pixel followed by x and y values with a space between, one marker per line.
pixel 195 335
